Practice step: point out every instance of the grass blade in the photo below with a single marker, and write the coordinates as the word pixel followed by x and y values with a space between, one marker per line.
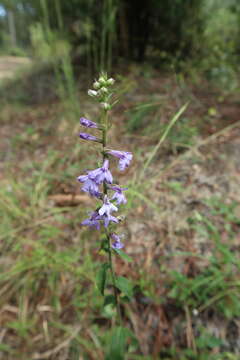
pixel 162 139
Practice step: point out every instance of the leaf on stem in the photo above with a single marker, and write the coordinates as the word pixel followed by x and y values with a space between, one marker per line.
pixel 101 277
pixel 109 300
pixel 124 285
pixel 123 255
pixel 118 343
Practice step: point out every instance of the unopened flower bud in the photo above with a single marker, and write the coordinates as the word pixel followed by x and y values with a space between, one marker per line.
pixel 103 90
pixel 110 81
pixel 102 80
pixel 106 106
pixel 92 93
pixel 96 85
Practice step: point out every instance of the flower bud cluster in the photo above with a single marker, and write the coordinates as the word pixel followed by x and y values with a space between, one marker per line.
pixel 101 91
pixel 99 182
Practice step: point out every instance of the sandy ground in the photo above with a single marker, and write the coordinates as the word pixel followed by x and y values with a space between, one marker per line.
pixel 9 65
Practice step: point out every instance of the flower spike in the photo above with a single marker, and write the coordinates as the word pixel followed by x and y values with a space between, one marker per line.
pixel 99 182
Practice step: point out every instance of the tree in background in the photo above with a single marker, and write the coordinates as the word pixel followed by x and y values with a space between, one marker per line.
pixel 19 15
pixel 102 31
pixel 172 26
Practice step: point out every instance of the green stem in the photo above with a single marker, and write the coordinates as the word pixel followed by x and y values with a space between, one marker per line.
pixel 105 191
pixel 113 278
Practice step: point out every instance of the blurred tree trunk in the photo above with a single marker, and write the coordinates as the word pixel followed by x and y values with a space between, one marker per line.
pixel 123 32
pixel 12 28
pixel 134 21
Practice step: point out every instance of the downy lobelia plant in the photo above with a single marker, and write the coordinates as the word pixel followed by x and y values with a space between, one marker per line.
pixel 99 183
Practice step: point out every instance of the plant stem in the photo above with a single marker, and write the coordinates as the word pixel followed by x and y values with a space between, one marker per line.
pixel 105 191
pixel 113 278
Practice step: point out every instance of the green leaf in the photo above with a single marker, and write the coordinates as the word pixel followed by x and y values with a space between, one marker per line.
pixel 109 299
pixel 117 344
pixel 124 285
pixel 101 277
pixel 123 255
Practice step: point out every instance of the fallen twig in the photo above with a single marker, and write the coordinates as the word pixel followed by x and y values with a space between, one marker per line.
pixel 69 199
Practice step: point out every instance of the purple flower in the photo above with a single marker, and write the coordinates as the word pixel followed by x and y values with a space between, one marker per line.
pixel 107 218
pixel 92 221
pixel 86 136
pixel 107 207
pixel 95 220
pixel 117 244
pixel 124 156
pixel 82 178
pixel 101 174
pixel 94 178
pixel 118 195
pixel 88 123
pixel 89 185
pixel 106 210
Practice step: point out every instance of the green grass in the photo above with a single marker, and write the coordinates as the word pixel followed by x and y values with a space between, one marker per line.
pixel 217 285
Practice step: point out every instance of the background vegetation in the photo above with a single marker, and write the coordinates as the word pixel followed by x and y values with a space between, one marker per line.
pixel 177 69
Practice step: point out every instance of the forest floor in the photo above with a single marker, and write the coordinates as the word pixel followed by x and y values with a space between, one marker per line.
pixel 182 226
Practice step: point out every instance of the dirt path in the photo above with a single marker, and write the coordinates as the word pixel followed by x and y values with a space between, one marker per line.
pixel 10 64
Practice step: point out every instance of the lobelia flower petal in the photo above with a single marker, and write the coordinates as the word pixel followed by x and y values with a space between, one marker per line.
pixel 103 210
pixel 124 157
pixel 93 174
pixel 109 218
pixel 88 123
pixel 117 244
pixel 82 178
pixel 91 187
pixel 89 137
pixel 104 176
pixel 107 207
pixel 120 198
pixel 93 221
pixel 118 195
pixel 101 174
